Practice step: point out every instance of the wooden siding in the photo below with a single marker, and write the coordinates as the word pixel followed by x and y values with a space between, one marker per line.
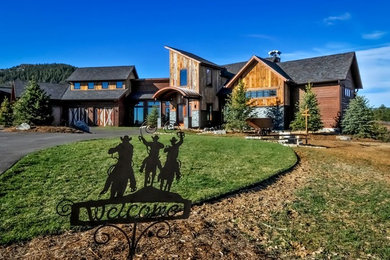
pixel 178 62
pixel 261 77
pixel 329 102
pixel 98 85
pixel 209 93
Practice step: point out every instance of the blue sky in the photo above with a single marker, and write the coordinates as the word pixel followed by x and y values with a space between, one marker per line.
pixel 98 33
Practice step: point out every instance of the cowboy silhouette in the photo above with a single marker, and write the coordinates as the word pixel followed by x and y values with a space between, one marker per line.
pixel 172 164
pixel 122 171
pixel 152 161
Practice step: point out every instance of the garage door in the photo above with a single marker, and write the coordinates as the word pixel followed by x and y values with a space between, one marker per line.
pixel 78 114
pixel 104 116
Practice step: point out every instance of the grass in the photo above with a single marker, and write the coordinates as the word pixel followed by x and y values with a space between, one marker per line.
pixel 343 211
pixel 211 166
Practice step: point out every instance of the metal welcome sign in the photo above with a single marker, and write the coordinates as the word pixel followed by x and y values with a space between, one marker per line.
pixel 154 202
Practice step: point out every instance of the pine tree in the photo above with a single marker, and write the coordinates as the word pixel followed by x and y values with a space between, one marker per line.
pixel 152 118
pixel 237 109
pixel 359 118
pixel 33 107
pixel 6 114
pixel 309 101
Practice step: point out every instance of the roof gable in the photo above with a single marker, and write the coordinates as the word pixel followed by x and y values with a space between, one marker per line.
pixel 102 73
pixel 195 57
pixel 248 66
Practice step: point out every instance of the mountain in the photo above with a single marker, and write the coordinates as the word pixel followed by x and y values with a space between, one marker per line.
pixel 53 73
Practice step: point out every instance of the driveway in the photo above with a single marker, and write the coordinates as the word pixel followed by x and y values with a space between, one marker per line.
pixel 14 146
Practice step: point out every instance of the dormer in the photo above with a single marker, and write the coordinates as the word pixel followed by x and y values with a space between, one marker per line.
pixel 102 78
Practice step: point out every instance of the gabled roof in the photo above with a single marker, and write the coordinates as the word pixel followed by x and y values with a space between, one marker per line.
pixel 102 73
pixel 195 57
pixel 53 90
pixel 315 70
pixel 319 69
pixel 113 94
pixel 251 61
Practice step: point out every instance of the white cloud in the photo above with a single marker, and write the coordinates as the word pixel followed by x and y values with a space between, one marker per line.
pixel 374 67
pixel 375 35
pixel 332 19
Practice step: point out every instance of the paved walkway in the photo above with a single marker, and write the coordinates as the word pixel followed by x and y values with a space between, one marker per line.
pixel 13 146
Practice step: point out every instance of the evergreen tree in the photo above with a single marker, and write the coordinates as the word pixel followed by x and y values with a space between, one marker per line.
pixel 359 118
pixel 237 109
pixel 382 113
pixel 309 101
pixel 33 107
pixel 152 117
pixel 6 114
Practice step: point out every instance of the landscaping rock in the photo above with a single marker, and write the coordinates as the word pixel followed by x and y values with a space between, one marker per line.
pixel 23 127
pixel 82 126
pixel 343 138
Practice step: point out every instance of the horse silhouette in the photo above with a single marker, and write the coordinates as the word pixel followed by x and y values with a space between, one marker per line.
pixel 122 172
pixel 152 161
pixel 172 164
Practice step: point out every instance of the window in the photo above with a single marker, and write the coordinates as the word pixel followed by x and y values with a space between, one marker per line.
pixel 91 85
pixel 261 93
pixel 77 85
pixel 104 85
pixel 152 104
pixel 183 77
pixel 139 113
pixel 119 84
pixel 209 78
pixel 347 92
pixel 209 116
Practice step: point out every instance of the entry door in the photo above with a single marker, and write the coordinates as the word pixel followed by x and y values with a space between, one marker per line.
pixel 78 114
pixel 180 113
pixel 104 116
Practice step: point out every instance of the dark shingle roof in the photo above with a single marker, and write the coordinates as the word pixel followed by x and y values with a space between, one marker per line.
pixel 114 94
pixel 5 89
pixel 318 69
pixel 276 67
pixel 54 90
pixel 101 73
pixel 234 67
pixel 195 57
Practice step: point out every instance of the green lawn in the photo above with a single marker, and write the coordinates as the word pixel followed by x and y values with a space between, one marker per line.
pixel 211 166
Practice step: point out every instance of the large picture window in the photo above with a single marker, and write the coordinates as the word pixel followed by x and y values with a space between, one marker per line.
pixel 183 77
pixel 261 93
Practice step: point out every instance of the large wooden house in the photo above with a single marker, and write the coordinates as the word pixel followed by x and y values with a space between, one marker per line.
pixel 196 90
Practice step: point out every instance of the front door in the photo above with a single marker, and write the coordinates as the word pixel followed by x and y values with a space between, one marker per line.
pixel 180 113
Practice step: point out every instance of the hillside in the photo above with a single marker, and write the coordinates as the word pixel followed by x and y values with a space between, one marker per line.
pixel 53 73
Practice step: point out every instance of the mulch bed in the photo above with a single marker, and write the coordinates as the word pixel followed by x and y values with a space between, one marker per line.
pixel 45 129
